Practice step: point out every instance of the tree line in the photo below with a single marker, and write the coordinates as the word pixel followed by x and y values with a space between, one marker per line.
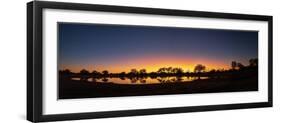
pixel 199 69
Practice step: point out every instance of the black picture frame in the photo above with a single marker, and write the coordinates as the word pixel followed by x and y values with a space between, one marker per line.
pixel 35 69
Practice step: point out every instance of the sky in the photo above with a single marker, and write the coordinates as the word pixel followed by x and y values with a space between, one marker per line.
pixel 120 48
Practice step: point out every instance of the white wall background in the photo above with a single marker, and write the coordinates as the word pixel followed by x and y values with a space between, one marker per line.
pixel 13 60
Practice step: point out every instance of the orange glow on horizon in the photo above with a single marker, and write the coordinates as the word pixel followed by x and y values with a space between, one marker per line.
pixel 151 64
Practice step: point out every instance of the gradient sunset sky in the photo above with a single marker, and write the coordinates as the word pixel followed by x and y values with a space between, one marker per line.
pixel 119 48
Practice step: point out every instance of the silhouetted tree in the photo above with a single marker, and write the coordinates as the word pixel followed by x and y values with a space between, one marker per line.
pixel 199 68
pixel 174 70
pixel 84 72
pixel 233 65
pixel 162 70
pixel 212 71
pixel 122 74
pixel 169 70
pixel 178 71
pixel 65 72
pixel 105 72
pixel 95 73
pixel 153 75
pixel 253 62
pixel 134 71
pixel 142 71
pixel 187 73
pixel 240 66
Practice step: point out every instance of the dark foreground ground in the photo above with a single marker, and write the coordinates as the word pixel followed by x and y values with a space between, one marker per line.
pixel 70 89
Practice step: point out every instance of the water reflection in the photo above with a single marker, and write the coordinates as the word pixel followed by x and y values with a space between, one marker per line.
pixel 141 80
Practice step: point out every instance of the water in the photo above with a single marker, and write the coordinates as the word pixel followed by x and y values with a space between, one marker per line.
pixel 146 80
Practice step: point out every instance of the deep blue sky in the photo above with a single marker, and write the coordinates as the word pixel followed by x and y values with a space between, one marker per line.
pixel 81 45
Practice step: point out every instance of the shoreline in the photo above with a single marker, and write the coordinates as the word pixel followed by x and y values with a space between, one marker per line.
pixel 74 89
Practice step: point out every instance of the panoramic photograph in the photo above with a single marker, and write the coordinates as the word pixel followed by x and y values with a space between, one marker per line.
pixel 107 60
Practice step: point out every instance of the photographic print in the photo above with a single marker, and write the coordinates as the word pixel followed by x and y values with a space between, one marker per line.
pixel 107 60
pixel 87 61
